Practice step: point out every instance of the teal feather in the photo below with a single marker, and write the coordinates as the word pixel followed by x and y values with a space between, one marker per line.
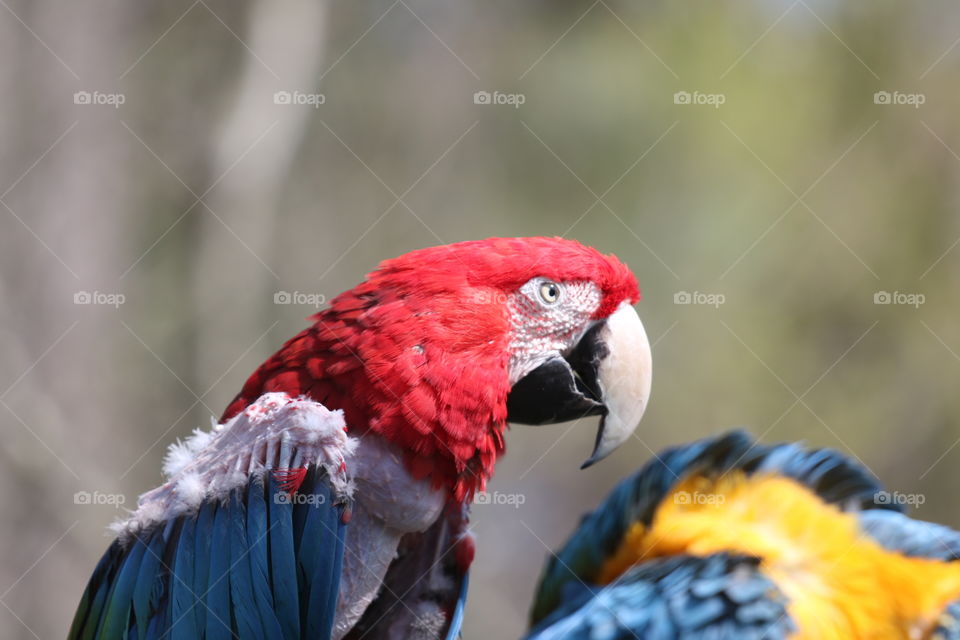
pixel 91 604
pixel 145 581
pixel 201 566
pixel 242 605
pixel 116 616
pixel 183 597
pixel 257 536
pixel 218 625
pixel 323 519
pixel 283 569
pixel 250 567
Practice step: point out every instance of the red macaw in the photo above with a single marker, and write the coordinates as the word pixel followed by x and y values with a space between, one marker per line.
pixel 331 500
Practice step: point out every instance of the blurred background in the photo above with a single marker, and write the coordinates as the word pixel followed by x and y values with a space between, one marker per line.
pixel 782 177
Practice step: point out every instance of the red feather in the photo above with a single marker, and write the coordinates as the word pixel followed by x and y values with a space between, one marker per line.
pixel 290 479
pixel 416 356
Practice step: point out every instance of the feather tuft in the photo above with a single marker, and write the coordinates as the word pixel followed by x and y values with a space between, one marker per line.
pixel 191 490
pixel 266 435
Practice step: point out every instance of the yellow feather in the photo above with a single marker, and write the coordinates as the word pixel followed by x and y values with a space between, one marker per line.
pixel 839 582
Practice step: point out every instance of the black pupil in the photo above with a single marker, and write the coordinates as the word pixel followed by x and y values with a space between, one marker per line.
pixel 552 292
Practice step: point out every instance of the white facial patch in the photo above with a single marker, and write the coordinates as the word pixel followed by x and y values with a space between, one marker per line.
pixel 542 329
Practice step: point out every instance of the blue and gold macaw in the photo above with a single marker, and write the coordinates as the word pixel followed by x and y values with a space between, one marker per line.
pixel 729 538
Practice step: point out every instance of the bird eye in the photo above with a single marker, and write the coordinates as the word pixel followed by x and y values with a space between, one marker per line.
pixel 549 292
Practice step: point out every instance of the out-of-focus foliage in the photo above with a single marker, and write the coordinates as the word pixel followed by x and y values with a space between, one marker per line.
pixel 796 202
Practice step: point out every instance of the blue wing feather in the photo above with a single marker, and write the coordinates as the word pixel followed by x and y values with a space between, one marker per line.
pixel 240 568
pixel 257 534
pixel 456 620
pixel 91 604
pixel 146 580
pixel 201 567
pixel 283 570
pixel 218 594
pixel 183 599
pixel 333 589
pixel 117 614
pixel 320 567
pixel 718 597
pixel 242 607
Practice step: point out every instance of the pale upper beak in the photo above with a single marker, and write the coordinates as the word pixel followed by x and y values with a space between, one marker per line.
pixel 607 373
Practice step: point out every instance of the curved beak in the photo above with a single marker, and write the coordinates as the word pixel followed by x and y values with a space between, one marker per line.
pixel 607 373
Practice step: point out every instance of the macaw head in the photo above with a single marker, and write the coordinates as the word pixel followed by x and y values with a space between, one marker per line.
pixel 439 348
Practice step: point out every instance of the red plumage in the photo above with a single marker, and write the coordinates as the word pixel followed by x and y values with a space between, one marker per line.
pixel 417 353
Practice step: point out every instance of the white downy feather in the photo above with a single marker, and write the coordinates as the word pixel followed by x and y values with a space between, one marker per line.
pixel 275 432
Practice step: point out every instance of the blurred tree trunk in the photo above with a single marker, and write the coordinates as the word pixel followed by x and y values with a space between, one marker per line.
pixel 81 218
pixel 256 143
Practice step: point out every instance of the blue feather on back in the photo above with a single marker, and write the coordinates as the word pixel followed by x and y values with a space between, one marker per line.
pixel 253 566
pixel 183 597
pixel 283 571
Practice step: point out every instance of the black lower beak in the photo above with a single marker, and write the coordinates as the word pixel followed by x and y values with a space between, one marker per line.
pixel 561 389
pixel 607 374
